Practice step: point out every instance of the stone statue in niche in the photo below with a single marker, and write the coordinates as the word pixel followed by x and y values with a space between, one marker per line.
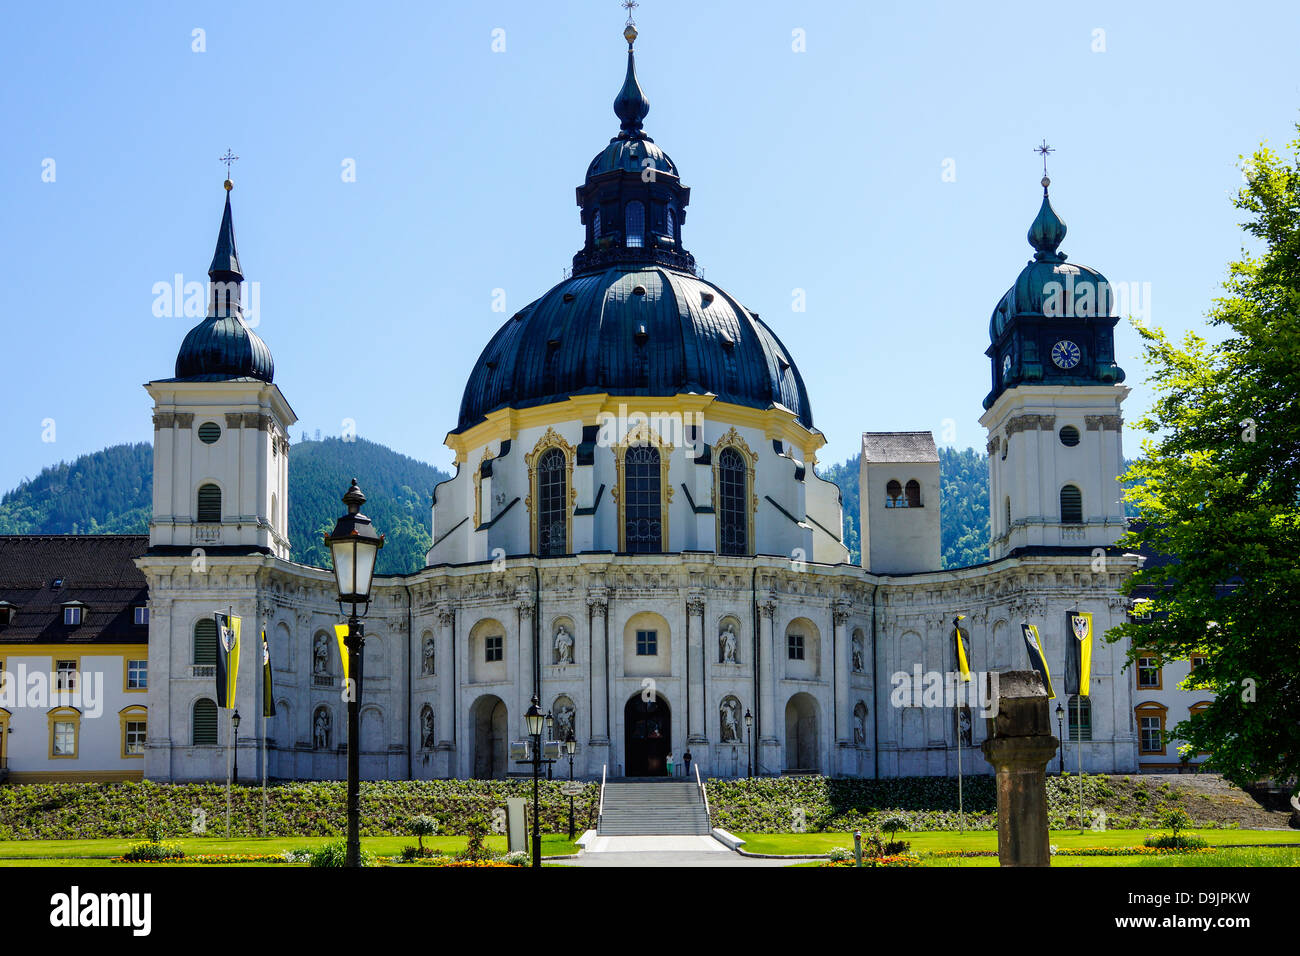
pixel 564 722
pixel 321 730
pixel 860 725
pixel 426 729
pixel 857 654
pixel 727 644
pixel 427 666
pixel 321 655
pixel 730 714
pixel 563 646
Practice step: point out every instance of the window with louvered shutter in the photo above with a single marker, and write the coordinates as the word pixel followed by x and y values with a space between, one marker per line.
pixel 209 504
pixel 205 642
pixel 1071 505
pixel 205 722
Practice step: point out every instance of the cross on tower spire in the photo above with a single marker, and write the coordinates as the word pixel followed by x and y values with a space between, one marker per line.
pixel 229 158
pixel 629 6
pixel 1044 150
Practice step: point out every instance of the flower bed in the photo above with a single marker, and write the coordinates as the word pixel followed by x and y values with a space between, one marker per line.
pixel 902 860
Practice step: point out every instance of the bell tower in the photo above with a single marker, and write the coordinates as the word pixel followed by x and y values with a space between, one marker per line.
pixel 221 428
pixel 1053 415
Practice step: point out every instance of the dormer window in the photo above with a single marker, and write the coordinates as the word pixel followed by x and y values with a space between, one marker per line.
pixel 7 615
pixel 72 615
pixel 141 616
pixel 634 225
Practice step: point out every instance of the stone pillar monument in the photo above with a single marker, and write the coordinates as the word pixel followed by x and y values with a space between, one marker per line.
pixel 1019 745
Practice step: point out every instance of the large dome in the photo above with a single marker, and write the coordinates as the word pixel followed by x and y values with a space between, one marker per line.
pixel 221 348
pixel 651 331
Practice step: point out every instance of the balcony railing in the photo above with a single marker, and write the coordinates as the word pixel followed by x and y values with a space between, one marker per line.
pixel 203 670
pixel 207 533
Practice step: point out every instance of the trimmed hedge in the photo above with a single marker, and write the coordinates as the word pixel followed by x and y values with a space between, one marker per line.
pixel 59 811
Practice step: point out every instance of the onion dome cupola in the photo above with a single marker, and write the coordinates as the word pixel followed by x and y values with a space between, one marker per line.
pixel 223 347
pixel 1056 325
pixel 633 201
pixel 634 318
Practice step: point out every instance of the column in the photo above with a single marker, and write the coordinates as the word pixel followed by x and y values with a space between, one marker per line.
pixel 768 743
pixel 598 696
pixel 443 663
pixel 526 604
pixel 843 665
pixel 696 662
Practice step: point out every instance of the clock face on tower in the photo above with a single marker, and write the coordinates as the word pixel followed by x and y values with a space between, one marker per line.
pixel 1066 354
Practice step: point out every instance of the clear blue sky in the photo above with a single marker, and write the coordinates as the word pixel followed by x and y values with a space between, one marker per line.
pixel 821 170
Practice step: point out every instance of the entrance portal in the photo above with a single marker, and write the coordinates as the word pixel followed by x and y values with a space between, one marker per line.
pixel 647 736
pixel 490 744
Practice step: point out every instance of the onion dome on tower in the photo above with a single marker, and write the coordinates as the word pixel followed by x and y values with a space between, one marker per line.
pixel 634 318
pixel 1056 325
pixel 223 347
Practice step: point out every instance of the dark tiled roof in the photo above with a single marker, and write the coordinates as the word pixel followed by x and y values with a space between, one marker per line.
pixel 899 446
pixel 96 570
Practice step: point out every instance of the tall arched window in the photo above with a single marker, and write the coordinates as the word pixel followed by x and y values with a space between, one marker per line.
pixel 913 493
pixel 205 643
pixel 894 495
pixel 203 725
pixel 733 504
pixel 595 226
pixel 1071 505
pixel 672 223
pixel 552 502
pixel 209 501
pixel 1008 513
pixel 643 528
pixel 634 224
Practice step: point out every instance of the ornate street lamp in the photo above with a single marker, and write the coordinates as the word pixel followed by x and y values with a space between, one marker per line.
pixel 234 722
pixel 1060 732
pixel 354 546
pixel 571 748
pixel 749 743
pixel 535 722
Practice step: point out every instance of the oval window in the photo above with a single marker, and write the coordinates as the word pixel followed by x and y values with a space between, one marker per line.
pixel 209 432
pixel 1069 436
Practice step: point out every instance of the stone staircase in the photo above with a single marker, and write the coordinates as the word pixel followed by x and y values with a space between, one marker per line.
pixel 648 808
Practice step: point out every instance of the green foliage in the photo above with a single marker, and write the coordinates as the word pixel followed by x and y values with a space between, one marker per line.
pixel 422 826
pixel 111 492
pixel 1219 494
pixel 1175 820
pixel 53 811
pixel 893 823
pixel 154 851
pixel 476 849
pixel 1176 841
pixel 335 855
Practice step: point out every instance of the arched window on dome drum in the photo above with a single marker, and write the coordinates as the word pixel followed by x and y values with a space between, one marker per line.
pixel 894 495
pixel 733 498
pixel 1071 505
pixel 595 226
pixel 913 494
pixel 209 504
pixel 552 498
pixel 643 531
pixel 672 223
pixel 634 224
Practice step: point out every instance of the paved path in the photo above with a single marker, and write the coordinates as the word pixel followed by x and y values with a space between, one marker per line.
pixel 662 851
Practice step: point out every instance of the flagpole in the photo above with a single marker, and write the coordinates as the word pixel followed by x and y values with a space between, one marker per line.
pixel 961 809
pixel 264 755
pixel 230 614
pixel 1078 722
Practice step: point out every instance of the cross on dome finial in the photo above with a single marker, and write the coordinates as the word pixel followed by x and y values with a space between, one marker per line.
pixel 629 31
pixel 1044 150
pixel 229 158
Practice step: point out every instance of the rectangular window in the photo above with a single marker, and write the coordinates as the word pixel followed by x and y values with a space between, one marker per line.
pixel 1197 661
pixel 65 738
pixel 72 616
pixel 133 741
pixel 65 676
pixel 1152 735
pixel 1080 718
pixel 1148 673
pixel 137 675
pixel 647 643
pixel 494 648
pixel 794 646
pixel 141 615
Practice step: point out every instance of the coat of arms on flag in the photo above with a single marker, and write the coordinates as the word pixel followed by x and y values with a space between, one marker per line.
pixel 1081 625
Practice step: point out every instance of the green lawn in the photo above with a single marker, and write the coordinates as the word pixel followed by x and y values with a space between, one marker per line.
pixel 803 844
pixel 100 852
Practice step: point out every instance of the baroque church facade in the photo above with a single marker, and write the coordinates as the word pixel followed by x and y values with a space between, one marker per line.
pixel 636 534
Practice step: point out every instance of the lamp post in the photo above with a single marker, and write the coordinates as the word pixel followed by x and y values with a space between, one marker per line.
pixel 234 722
pixel 571 747
pixel 550 733
pixel 535 721
pixel 1060 732
pixel 749 744
pixel 354 546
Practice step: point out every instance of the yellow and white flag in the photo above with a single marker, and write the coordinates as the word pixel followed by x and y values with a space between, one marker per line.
pixel 341 632
pixel 962 663
pixel 1081 625
pixel 1037 659
pixel 227 658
